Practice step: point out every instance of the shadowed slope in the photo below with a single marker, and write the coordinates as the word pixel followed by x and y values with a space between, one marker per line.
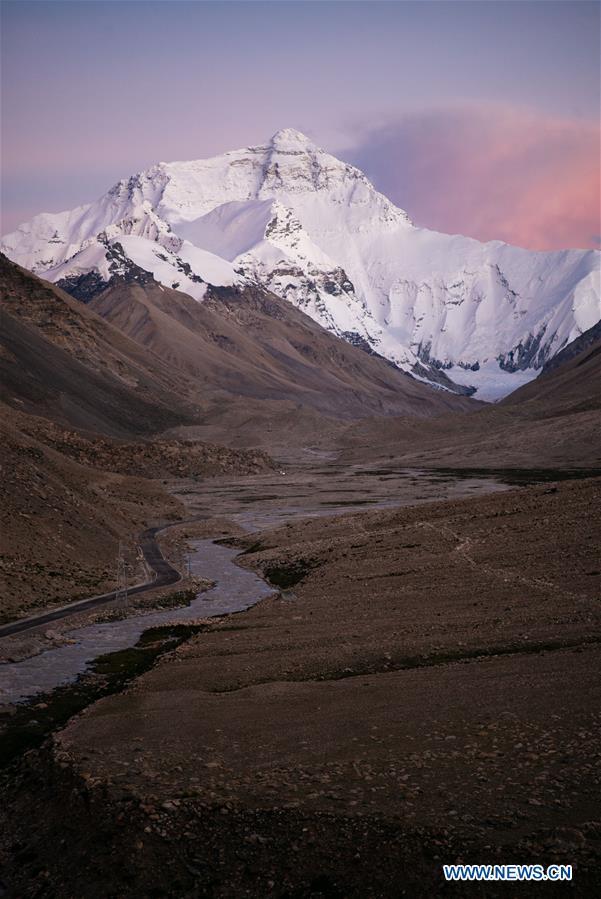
pixel 571 381
pixel 61 360
pixel 68 497
pixel 550 422
pixel 247 342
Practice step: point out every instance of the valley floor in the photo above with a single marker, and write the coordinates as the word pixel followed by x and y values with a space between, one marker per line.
pixel 424 690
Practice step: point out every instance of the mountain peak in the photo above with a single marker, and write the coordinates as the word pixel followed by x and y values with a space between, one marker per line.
pixel 294 219
pixel 290 139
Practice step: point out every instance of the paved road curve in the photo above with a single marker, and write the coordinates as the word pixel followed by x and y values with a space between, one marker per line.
pixel 163 575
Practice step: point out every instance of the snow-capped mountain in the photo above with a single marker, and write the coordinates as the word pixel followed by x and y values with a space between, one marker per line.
pixel 314 230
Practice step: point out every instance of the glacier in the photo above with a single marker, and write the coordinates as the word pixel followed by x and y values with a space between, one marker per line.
pixel 481 318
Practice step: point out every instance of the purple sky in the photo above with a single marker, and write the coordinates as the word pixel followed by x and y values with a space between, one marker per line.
pixel 476 117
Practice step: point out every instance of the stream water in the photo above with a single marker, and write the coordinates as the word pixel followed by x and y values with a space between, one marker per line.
pixel 235 590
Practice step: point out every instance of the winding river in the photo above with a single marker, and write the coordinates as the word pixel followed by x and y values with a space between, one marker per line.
pixel 235 590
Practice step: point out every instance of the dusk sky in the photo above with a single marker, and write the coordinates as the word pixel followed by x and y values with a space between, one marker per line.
pixel 480 118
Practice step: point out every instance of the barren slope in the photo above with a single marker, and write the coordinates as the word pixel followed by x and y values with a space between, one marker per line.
pixel 61 360
pixel 72 385
pixel 247 342
pixel 553 421
pixel 60 521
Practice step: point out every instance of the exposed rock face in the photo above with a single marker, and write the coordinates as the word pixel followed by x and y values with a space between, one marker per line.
pixel 86 286
pixel 590 338
pixel 313 229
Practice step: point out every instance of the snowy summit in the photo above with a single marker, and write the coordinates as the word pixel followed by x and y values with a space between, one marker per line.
pixel 307 226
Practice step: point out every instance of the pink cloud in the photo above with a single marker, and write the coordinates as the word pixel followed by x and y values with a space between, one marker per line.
pixel 493 173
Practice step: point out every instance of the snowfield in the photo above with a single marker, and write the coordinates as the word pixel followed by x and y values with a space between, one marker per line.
pixel 314 230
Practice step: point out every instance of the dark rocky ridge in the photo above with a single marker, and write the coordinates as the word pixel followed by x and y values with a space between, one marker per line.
pixel 589 338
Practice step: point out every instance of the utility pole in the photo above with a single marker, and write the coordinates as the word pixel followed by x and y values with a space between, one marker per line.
pixel 121 591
